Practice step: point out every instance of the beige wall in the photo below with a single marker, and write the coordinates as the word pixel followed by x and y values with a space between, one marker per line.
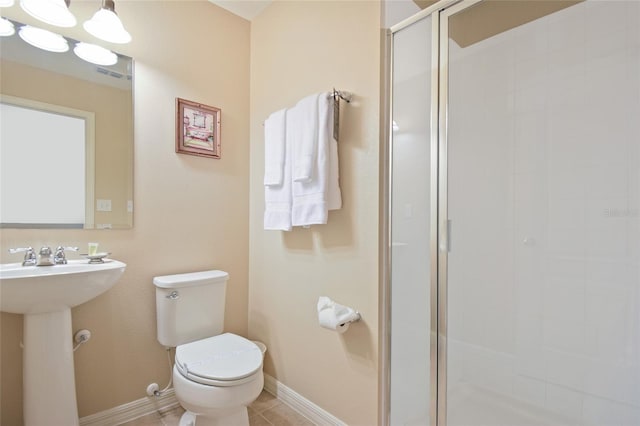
pixel 191 213
pixel 299 48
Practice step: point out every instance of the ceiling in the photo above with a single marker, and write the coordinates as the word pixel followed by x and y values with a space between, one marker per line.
pixel 248 9
pixel 476 24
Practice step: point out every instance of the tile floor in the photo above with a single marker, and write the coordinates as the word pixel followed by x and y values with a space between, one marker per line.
pixel 267 410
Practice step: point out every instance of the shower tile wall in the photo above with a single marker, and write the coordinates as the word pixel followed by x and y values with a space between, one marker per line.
pixel 544 275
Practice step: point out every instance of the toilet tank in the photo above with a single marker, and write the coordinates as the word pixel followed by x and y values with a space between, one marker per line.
pixel 190 306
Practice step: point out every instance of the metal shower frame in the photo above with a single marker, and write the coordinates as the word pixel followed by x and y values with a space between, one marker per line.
pixel 439 226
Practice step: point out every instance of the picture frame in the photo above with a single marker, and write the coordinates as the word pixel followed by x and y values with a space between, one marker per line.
pixel 197 129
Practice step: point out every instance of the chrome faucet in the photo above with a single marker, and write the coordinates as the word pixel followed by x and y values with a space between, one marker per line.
pixel 29 255
pixel 60 258
pixel 44 257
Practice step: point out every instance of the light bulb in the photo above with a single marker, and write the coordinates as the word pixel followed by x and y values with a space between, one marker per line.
pixel 6 28
pixel 43 39
pixel 53 12
pixel 106 25
pixel 95 54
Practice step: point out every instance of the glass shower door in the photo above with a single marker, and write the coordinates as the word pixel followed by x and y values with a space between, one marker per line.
pixel 410 287
pixel 543 195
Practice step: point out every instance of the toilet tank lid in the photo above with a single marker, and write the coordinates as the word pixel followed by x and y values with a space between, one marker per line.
pixel 189 279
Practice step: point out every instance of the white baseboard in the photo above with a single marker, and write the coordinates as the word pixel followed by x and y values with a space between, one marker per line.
pixel 132 410
pixel 299 403
pixel 141 407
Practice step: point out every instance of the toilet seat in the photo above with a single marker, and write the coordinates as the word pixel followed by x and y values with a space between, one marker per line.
pixel 223 360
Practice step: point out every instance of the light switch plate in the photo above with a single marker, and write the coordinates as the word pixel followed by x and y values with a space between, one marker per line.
pixel 103 205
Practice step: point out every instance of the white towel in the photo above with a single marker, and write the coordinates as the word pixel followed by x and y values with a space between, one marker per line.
pixel 277 214
pixel 313 199
pixel 304 137
pixel 274 148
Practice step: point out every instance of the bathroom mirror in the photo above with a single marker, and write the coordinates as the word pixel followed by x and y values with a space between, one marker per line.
pixel 64 82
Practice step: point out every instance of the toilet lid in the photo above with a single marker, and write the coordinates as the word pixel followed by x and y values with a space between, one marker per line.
pixel 220 358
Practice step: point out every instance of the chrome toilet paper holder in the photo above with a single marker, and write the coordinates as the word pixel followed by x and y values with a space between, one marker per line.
pixel 356 319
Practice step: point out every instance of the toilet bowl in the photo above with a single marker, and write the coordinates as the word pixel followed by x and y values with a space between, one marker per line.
pixel 215 375
pixel 215 379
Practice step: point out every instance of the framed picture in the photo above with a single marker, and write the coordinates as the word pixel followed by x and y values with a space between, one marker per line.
pixel 197 129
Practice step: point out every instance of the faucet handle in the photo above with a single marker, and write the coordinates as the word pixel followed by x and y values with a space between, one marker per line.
pixel 29 255
pixel 60 258
pixel 20 250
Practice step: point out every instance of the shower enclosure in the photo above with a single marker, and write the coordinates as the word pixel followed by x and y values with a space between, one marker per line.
pixel 512 257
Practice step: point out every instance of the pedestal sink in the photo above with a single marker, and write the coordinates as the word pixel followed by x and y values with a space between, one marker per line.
pixel 45 295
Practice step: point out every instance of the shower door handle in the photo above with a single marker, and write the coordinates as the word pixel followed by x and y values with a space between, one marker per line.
pixel 445 242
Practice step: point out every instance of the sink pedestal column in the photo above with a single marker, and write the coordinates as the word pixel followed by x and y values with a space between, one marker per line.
pixel 48 374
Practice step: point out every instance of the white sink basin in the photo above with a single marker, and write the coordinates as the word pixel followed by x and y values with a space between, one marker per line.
pixel 45 295
pixel 39 289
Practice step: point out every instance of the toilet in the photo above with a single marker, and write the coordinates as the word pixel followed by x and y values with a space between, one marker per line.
pixel 215 375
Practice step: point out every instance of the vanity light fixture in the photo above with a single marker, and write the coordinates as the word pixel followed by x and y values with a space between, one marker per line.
pixel 106 25
pixel 53 12
pixel 95 54
pixel 43 39
pixel 6 3
pixel 6 28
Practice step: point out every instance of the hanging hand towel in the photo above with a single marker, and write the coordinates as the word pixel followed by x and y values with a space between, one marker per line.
pixel 277 214
pixel 313 199
pixel 274 148
pixel 304 138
